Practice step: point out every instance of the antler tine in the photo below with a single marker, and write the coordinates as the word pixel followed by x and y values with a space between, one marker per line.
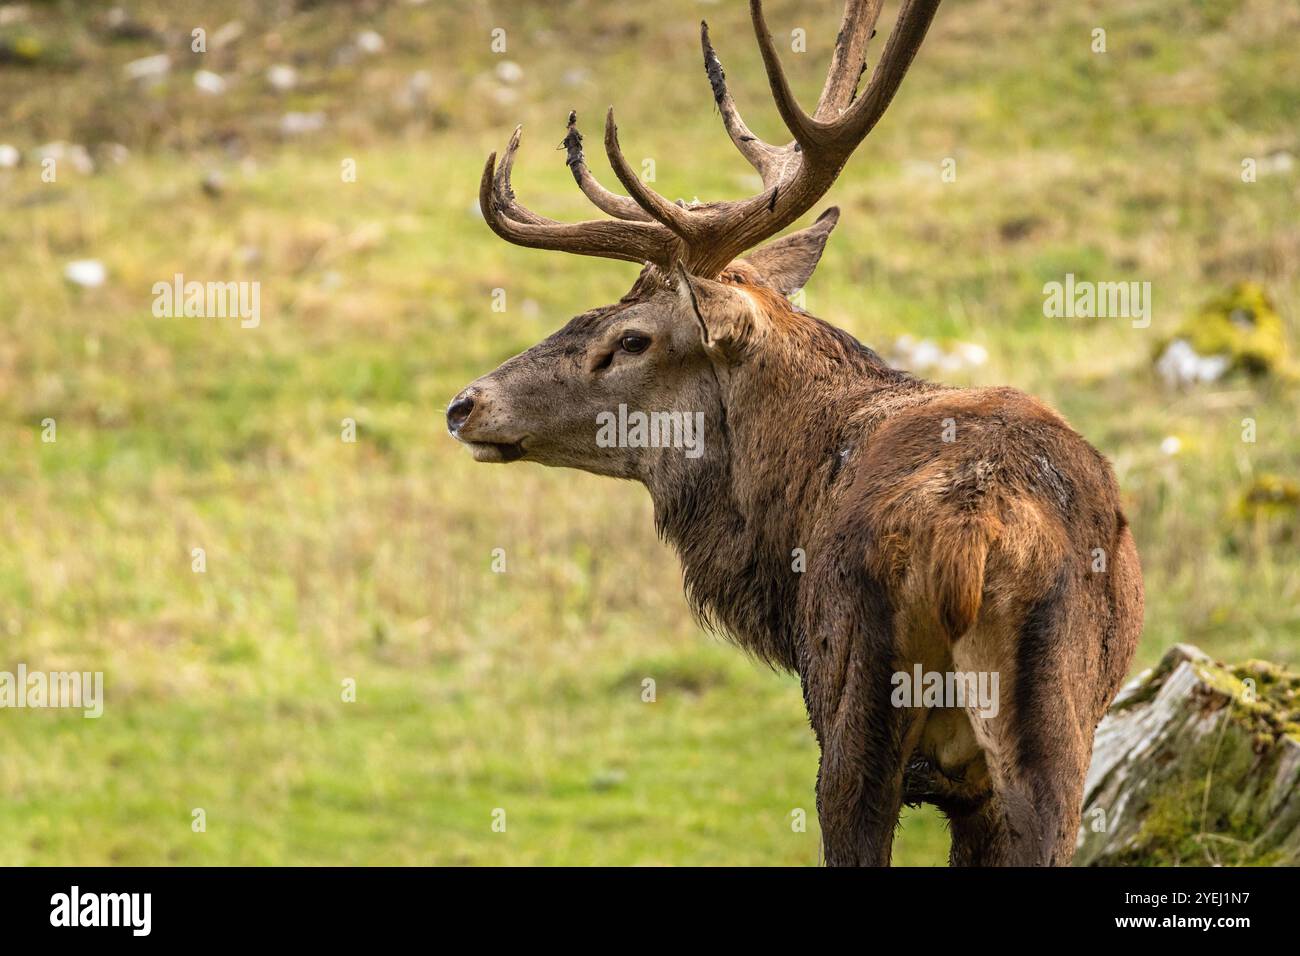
pixel 618 206
pixel 849 59
pixel 608 238
pixel 770 161
pixel 900 49
pixel 705 237
pixel 502 188
pixel 822 143
pixel 671 215
pixel 831 135
pixel 799 123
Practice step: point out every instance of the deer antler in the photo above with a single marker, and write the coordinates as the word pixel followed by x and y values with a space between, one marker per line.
pixel 704 237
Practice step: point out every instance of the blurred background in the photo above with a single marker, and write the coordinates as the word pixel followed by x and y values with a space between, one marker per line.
pixel 1017 152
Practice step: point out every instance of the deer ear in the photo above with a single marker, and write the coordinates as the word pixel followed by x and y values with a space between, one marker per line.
pixel 725 317
pixel 787 264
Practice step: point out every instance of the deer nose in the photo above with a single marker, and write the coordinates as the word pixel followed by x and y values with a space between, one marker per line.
pixel 459 410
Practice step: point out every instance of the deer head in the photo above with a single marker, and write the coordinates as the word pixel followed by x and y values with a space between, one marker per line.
pixel 699 315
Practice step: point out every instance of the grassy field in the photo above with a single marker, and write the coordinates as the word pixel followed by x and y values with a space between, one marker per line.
pixel 371 561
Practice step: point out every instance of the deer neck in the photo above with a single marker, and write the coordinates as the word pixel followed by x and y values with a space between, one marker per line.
pixel 741 517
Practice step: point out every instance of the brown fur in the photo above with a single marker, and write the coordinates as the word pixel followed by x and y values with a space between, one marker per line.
pixel 974 554
pixel 947 529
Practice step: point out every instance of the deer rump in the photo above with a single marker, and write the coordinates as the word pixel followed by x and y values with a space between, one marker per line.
pixel 982 539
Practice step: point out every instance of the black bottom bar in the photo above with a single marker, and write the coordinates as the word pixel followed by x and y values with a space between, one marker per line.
pixel 334 906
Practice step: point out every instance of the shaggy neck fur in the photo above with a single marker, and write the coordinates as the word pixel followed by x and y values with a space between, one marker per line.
pixel 777 439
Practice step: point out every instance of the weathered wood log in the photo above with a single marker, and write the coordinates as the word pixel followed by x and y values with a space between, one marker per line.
pixel 1196 764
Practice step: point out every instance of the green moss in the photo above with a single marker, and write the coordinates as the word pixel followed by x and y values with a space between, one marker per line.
pixel 1271 506
pixel 1270 496
pixel 1210 807
pixel 1265 698
pixel 1191 820
pixel 1241 324
pixel 23 49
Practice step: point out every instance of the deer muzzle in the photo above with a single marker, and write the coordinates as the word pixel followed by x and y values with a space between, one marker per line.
pixel 469 421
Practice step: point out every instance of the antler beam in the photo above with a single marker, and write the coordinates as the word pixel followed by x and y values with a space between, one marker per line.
pixel 705 237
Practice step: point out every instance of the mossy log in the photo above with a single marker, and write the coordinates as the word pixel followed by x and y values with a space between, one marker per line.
pixel 1196 764
pixel 1241 326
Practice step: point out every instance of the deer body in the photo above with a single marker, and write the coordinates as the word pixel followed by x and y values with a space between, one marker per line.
pixel 845 521
pixel 965 555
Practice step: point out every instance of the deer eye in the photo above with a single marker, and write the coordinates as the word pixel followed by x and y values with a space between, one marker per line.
pixel 634 343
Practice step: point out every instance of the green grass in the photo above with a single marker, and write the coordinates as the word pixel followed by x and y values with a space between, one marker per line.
pixel 371 560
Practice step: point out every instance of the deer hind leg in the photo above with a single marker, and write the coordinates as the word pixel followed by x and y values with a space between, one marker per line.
pixel 846 676
pixel 860 776
pixel 859 797
pixel 1031 822
pixel 1038 743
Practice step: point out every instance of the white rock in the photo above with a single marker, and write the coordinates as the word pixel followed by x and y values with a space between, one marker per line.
pixel 74 154
pixel 298 124
pixel 1279 161
pixel 509 71
pixel 149 67
pixel 368 41
pixel 925 354
pixel 282 77
pixel 87 273
pixel 226 34
pixel 1180 364
pixel 208 82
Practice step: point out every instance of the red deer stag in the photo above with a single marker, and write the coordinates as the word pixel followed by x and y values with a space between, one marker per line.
pixel 946 531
